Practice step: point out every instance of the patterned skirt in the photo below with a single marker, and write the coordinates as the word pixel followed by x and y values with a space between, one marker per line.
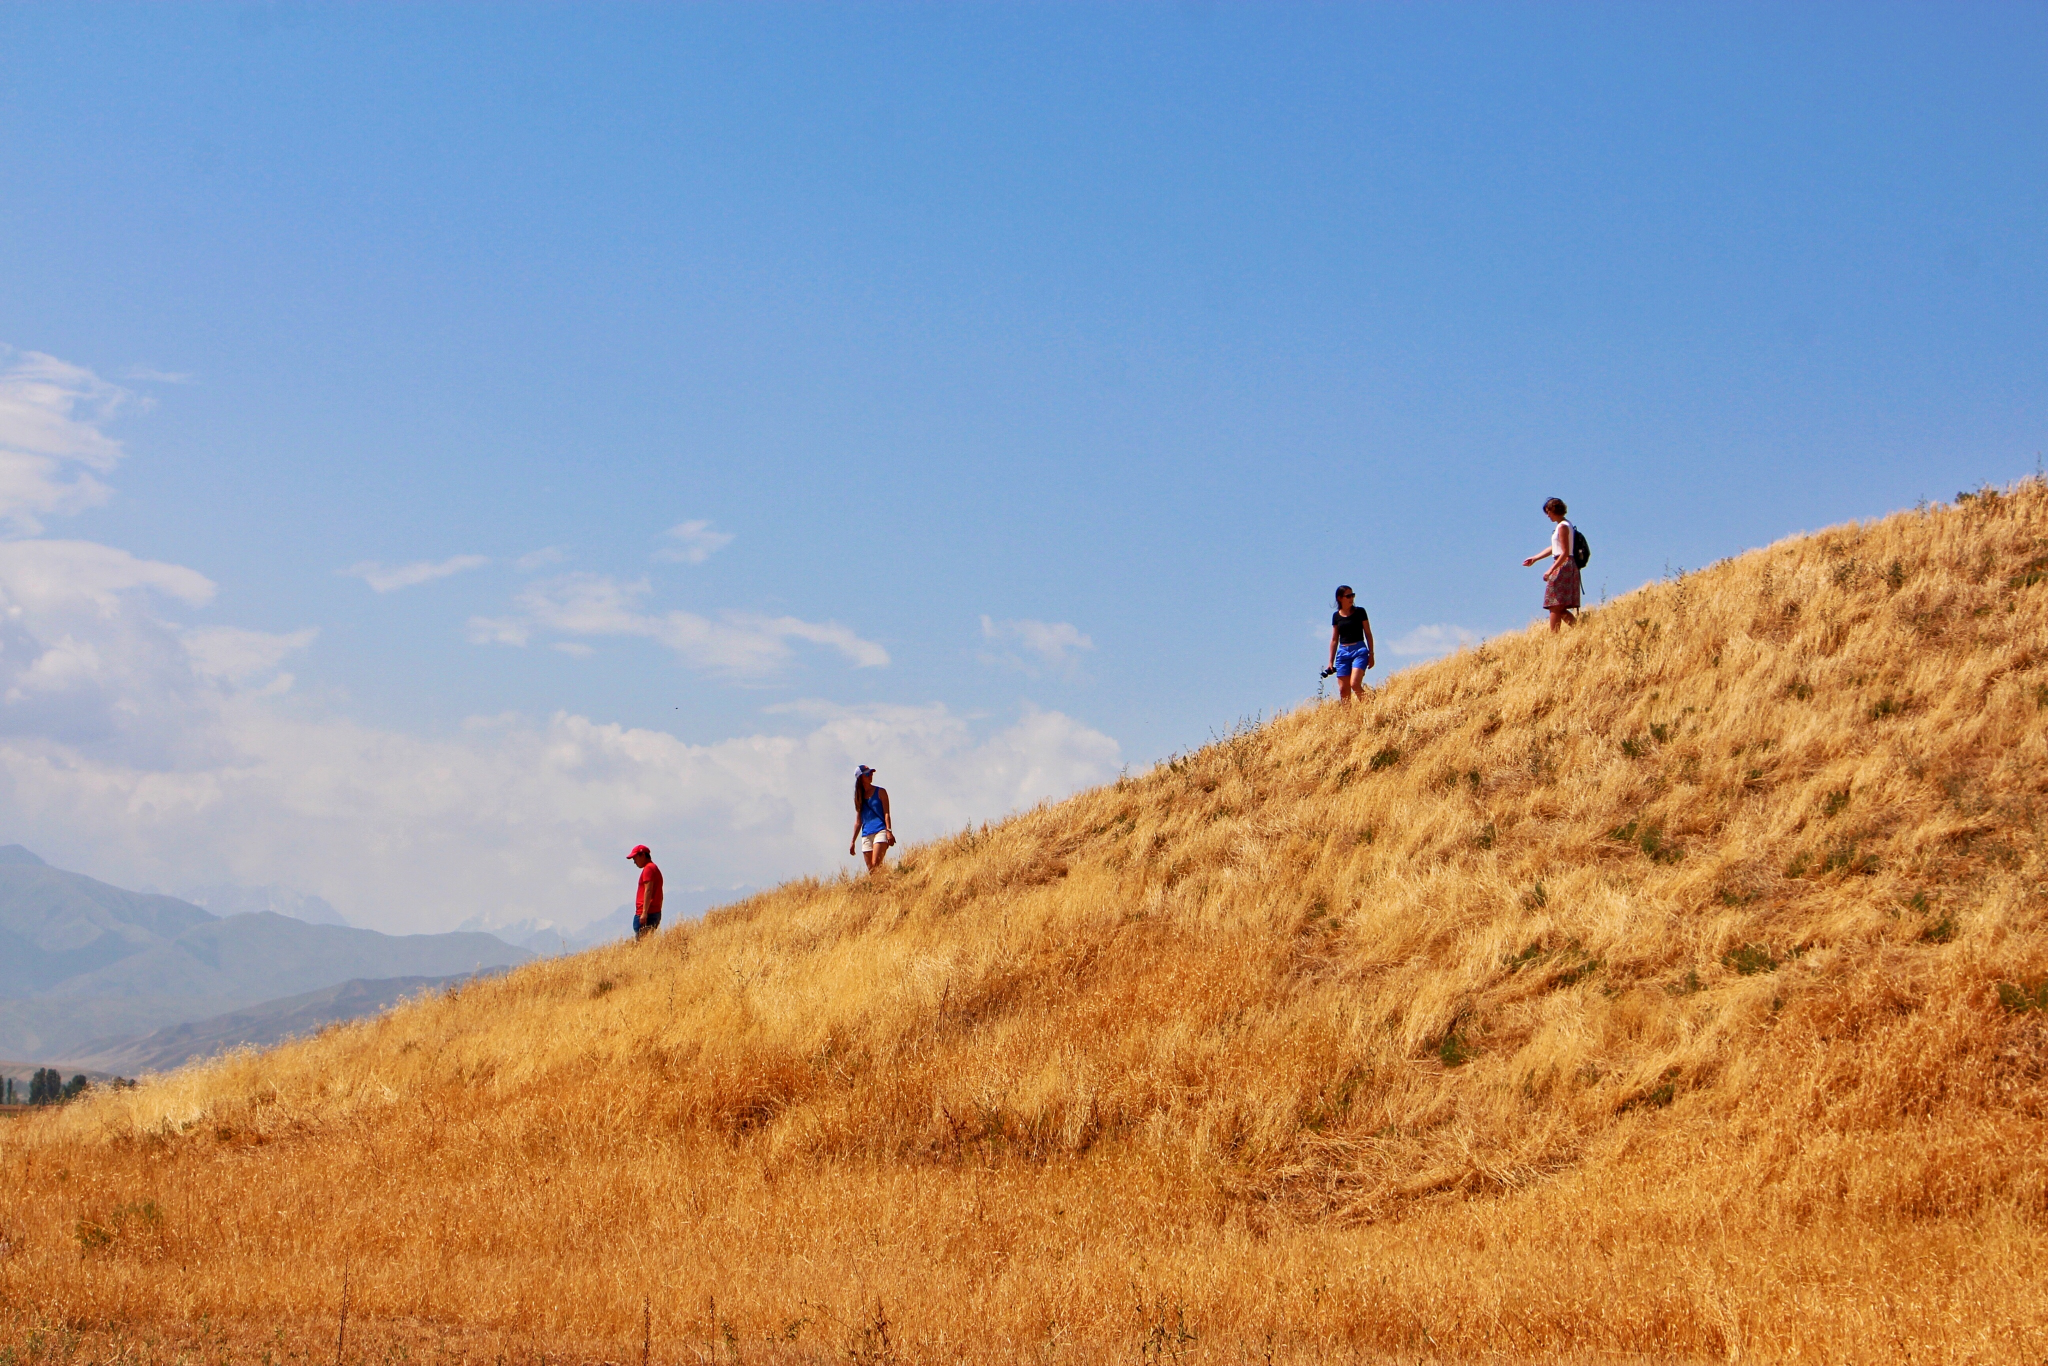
pixel 1563 591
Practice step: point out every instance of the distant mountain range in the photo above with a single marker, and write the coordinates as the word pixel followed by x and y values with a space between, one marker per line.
pixel 227 899
pixel 545 938
pixel 85 966
pixel 259 1026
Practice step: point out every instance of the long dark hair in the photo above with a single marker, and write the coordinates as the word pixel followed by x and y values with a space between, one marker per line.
pixel 861 782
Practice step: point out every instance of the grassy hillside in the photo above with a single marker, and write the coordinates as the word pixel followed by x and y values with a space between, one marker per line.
pixel 1667 987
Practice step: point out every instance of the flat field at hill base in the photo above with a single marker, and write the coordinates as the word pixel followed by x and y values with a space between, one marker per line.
pixel 1065 1265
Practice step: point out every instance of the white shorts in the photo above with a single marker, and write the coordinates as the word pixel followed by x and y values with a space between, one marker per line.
pixel 868 843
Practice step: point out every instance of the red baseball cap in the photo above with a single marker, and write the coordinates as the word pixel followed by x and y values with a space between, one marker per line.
pixel 640 849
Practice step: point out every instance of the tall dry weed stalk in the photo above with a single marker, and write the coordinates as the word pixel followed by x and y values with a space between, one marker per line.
pixel 1670 987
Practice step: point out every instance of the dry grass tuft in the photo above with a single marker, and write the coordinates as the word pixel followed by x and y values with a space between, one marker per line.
pixel 1673 987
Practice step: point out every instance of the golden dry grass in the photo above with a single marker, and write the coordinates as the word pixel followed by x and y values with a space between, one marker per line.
pixel 1634 992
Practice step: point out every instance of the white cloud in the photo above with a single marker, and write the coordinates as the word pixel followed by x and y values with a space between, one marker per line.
pixel 45 575
pixel 740 644
pixel 587 604
pixel 1046 646
pixel 85 659
pixel 546 555
pixel 517 818
pixel 695 542
pixel 149 374
pixel 576 649
pixel 497 631
pixel 50 413
pixel 406 575
pixel 153 754
pixel 240 657
pixel 862 654
pixel 1426 642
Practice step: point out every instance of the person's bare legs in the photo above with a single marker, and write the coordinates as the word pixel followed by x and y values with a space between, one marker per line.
pixel 874 858
pixel 1562 614
pixel 1350 685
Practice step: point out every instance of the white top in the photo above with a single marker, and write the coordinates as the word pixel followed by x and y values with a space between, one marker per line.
pixel 1561 541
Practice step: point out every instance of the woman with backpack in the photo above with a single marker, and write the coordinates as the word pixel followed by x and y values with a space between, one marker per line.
pixel 1561 580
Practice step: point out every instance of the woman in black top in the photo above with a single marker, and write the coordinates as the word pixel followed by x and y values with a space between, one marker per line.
pixel 1350 645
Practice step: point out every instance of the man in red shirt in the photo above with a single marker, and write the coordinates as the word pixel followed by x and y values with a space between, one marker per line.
pixel 647 901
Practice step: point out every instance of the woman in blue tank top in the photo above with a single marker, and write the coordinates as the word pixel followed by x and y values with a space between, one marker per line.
pixel 872 833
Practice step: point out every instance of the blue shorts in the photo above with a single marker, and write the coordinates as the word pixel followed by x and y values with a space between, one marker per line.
pixel 1353 658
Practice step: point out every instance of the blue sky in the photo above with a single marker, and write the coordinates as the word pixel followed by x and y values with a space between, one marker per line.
pixel 1021 379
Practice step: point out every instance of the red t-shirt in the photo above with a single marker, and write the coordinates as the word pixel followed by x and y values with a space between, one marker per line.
pixel 647 901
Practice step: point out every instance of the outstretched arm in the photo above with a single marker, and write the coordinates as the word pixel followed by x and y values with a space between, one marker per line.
pixel 1548 551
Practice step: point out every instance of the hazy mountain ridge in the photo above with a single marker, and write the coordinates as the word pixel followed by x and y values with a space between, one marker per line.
pixel 259 1026
pixel 547 938
pixel 83 962
pixel 226 899
pixel 55 925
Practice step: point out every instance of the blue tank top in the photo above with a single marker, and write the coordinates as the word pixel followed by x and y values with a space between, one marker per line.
pixel 871 822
